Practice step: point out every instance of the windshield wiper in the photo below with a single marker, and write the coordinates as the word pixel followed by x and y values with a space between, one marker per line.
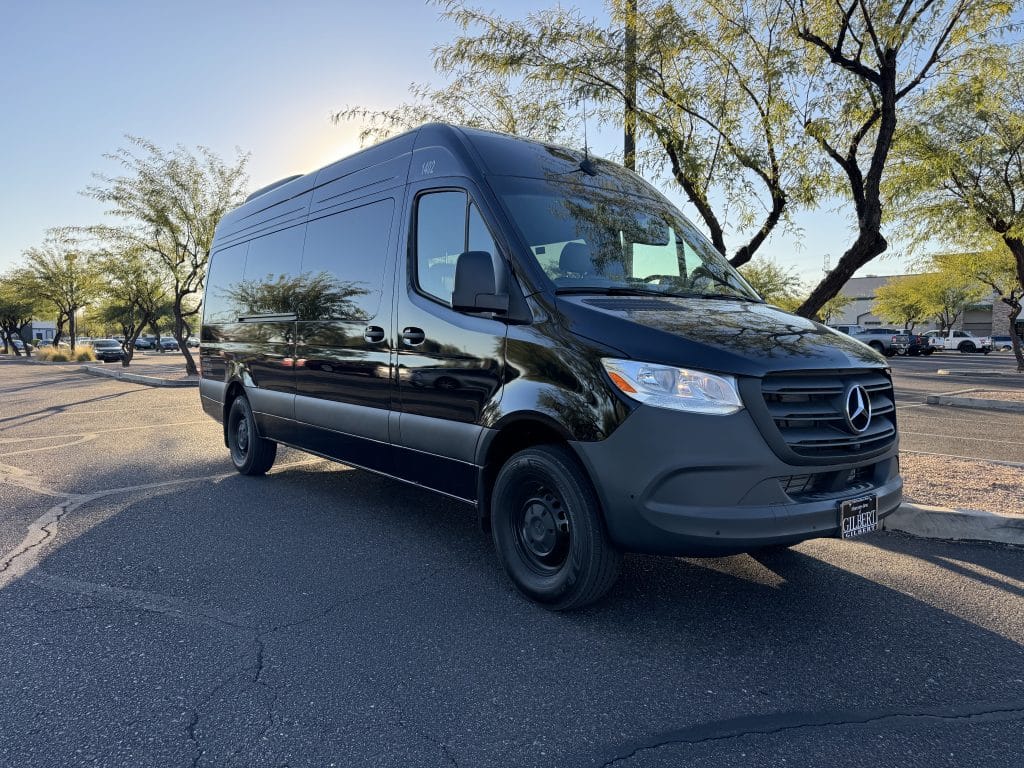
pixel 612 290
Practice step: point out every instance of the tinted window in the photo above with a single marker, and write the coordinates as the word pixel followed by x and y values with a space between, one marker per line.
pixel 342 272
pixel 266 287
pixel 440 238
pixel 226 269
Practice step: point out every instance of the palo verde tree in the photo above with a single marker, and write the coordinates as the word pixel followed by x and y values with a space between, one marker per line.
pixel 864 62
pixel 135 294
pixel 18 305
pixel 775 283
pixel 699 88
pixel 902 300
pixel 962 175
pixel 168 203
pixel 62 274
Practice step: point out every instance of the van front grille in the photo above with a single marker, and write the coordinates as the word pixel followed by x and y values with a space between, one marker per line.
pixel 809 410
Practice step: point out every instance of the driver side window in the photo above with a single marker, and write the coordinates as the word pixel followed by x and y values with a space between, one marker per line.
pixel 447 224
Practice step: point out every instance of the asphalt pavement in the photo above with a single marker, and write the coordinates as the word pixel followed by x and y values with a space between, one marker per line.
pixel 157 609
pixel 954 432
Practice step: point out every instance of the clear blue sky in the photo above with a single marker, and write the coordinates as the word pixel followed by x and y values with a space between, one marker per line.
pixel 75 77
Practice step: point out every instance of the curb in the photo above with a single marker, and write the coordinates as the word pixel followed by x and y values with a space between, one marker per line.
pixel 973 372
pixel 135 378
pixel 977 403
pixel 956 524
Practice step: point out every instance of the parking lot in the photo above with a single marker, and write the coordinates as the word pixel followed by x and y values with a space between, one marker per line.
pixel 157 609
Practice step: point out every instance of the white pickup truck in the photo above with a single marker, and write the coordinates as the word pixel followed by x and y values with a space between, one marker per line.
pixel 962 341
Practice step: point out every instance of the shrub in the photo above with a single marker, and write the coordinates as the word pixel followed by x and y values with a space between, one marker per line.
pixel 84 354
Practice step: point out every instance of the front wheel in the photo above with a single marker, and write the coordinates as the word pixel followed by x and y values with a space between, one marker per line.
pixel 547 529
pixel 250 453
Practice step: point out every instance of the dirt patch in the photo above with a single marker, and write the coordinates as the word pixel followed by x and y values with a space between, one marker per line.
pixel 941 481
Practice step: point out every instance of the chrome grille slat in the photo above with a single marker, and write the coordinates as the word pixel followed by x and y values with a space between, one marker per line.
pixel 808 410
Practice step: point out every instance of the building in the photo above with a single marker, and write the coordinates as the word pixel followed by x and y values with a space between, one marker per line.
pixel 986 318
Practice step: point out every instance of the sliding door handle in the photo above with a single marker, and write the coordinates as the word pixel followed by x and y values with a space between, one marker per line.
pixel 374 334
pixel 413 337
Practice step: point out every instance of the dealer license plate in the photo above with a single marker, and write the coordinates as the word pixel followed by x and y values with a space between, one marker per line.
pixel 858 516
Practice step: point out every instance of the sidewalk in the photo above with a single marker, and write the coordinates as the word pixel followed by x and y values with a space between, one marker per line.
pixel 956 524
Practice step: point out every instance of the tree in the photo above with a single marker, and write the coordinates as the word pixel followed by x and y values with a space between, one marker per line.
pixel 62 274
pixel 775 283
pixel 945 294
pixel 17 308
pixel 135 295
pixel 169 202
pixel 832 308
pixel 864 62
pixel 902 301
pixel 997 269
pixel 962 175
pixel 710 104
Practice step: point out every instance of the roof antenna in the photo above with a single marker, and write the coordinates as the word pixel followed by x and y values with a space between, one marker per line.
pixel 585 165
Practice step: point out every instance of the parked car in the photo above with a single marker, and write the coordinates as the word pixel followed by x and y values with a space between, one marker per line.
pixel 108 350
pixel 887 341
pixel 918 344
pixel 849 330
pixel 1002 343
pixel 20 345
pixel 961 341
pixel 541 335
pixel 168 344
pixel 145 342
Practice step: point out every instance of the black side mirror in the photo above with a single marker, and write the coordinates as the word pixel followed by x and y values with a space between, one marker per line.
pixel 476 284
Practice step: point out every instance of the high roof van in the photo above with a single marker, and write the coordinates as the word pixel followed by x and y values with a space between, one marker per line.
pixel 542 335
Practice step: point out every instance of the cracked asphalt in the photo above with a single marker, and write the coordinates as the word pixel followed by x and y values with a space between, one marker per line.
pixel 157 609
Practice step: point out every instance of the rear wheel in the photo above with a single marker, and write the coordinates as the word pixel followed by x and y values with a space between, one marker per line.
pixel 966 347
pixel 250 453
pixel 878 347
pixel 548 531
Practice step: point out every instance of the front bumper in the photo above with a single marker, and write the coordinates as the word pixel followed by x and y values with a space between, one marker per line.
pixel 688 484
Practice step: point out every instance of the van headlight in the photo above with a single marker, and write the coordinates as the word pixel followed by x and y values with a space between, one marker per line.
pixel 680 389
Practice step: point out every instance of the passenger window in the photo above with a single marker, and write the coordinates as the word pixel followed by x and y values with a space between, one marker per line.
pixel 342 273
pixel 268 287
pixel 440 238
pixel 226 269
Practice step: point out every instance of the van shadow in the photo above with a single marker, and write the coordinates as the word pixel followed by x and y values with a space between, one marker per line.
pixel 392 596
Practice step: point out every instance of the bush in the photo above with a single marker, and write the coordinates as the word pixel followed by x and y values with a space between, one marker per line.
pixel 84 354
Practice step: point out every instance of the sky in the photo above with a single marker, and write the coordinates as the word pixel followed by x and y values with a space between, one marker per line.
pixel 263 77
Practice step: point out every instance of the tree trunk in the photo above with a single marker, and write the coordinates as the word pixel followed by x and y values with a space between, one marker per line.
pixel 867 246
pixel 1016 246
pixel 181 338
pixel 629 116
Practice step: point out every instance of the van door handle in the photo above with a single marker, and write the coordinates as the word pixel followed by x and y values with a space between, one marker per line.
pixel 373 334
pixel 413 336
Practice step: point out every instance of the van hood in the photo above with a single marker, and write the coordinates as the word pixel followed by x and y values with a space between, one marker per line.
pixel 725 336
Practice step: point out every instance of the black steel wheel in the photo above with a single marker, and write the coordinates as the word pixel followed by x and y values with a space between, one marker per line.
pixel 250 453
pixel 547 528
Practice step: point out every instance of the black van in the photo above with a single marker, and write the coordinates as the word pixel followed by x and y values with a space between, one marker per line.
pixel 543 335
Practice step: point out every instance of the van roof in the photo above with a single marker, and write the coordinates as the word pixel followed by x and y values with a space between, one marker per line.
pixel 434 150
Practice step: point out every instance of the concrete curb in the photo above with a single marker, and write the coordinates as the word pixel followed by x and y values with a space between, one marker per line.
pixel 135 378
pixel 956 524
pixel 974 372
pixel 976 402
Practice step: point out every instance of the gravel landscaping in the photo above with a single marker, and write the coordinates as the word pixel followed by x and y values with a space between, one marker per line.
pixel 942 481
pixel 1016 396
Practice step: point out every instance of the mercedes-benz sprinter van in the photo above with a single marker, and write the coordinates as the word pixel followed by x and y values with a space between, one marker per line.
pixel 544 336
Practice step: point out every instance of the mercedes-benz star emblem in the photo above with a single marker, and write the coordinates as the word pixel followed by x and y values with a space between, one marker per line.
pixel 858 409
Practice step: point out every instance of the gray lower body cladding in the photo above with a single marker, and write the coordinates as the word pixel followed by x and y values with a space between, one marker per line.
pixel 688 484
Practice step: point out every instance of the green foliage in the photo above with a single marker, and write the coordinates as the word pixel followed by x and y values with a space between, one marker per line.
pixel 775 283
pixel 902 301
pixel 942 294
pixel 168 203
pixel 712 110
pixel 833 308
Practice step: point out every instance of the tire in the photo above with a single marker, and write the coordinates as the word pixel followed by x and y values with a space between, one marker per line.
pixel 250 453
pixel 927 352
pixel 547 529
pixel 966 347
pixel 877 346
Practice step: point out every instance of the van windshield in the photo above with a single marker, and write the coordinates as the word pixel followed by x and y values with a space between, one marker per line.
pixel 603 241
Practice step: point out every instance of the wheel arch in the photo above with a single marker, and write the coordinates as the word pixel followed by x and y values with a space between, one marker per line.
pixel 512 434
